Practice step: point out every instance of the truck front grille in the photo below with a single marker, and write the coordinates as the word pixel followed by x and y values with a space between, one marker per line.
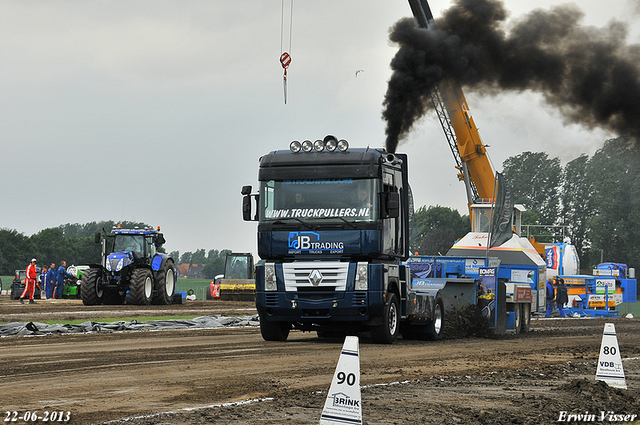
pixel 315 275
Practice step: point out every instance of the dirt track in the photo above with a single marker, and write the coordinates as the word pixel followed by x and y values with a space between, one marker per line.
pixel 186 377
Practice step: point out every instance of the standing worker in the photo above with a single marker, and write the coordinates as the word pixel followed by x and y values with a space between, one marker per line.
pixel 43 281
pixel 62 272
pixel 562 297
pixel 550 297
pixel 30 282
pixel 51 281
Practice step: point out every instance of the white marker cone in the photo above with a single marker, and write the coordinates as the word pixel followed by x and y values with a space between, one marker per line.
pixel 343 404
pixel 609 363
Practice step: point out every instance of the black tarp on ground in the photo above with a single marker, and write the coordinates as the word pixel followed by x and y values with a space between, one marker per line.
pixel 203 322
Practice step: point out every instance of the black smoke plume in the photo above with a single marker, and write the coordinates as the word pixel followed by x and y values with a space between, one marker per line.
pixel 591 75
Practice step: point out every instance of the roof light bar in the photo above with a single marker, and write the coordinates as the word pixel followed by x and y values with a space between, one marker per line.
pixel 329 143
pixel 295 146
pixel 307 146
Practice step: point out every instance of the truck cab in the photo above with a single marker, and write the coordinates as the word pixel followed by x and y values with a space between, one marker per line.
pixel 333 230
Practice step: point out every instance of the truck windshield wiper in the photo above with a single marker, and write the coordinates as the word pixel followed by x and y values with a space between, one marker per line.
pixel 304 223
pixel 350 223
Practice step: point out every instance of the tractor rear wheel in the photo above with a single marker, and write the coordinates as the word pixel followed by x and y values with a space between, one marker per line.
pixel 141 287
pixel 91 287
pixel 166 285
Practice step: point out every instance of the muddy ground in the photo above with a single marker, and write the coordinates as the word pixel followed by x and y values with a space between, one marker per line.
pixel 231 375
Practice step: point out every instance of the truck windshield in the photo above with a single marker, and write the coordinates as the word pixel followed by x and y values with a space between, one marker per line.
pixel 324 199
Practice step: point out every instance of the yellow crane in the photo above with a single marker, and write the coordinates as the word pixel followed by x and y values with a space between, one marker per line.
pixel 459 128
pixel 521 259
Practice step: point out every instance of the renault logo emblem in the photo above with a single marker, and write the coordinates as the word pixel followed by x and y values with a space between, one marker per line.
pixel 315 277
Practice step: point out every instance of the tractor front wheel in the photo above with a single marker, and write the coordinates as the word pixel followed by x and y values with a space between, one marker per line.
pixel 91 287
pixel 141 287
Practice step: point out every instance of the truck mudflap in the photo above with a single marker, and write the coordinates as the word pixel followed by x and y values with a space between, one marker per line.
pixel 456 294
pixel 420 305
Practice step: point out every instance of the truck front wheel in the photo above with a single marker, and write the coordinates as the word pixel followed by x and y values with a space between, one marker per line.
pixel 91 287
pixel 387 332
pixel 274 331
pixel 141 287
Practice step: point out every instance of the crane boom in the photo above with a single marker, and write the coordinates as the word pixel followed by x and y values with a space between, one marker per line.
pixel 469 153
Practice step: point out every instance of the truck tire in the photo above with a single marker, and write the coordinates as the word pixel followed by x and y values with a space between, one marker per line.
pixel 91 287
pixel 435 330
pixel 387 332
pixel 274 331
pixel 141 287
pixel 166 285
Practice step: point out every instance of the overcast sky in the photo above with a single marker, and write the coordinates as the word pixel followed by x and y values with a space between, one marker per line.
pixel 157 111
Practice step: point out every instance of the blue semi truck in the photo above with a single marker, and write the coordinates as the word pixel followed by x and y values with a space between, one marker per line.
pixel 333 231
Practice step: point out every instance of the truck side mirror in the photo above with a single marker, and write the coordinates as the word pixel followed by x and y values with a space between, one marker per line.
pixel 246 204
pixel 96 238
pixel 160 239
pixel 391 205
pixel 246 207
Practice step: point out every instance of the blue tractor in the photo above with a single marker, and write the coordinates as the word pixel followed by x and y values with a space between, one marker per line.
pixel 130 264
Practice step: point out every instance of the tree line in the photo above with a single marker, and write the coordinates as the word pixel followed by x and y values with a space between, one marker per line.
pixel 75 244
pixel 595 200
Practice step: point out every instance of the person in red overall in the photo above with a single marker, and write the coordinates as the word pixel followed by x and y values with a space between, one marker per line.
pixel 30 284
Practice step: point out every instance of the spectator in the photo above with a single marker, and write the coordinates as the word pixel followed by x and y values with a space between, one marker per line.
pixel 550 297
pixel 62 273
pixel 30 283
pixel 51 281
pixel 43 281
pixel 562 296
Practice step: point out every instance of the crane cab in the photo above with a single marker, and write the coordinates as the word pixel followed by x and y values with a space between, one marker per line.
pixel 481 212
